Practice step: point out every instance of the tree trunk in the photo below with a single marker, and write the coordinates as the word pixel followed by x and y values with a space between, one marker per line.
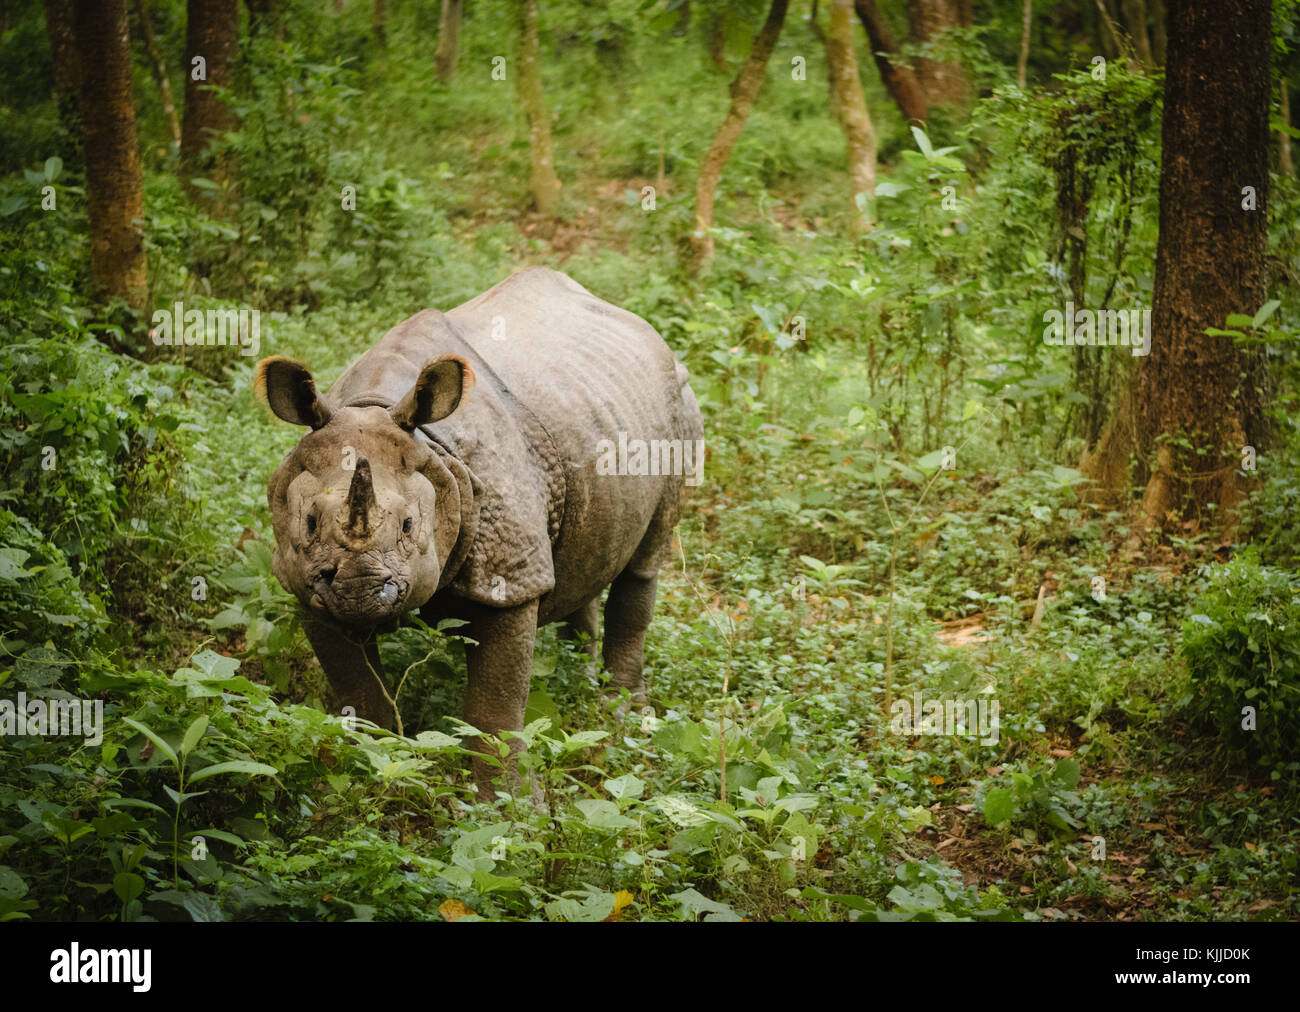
pixel 448 51
pixel 211 33
pixel 744 91
pixel 1022 66
pixel 854 117
pixel 159 71
pixel 1284 162
pixel 544 185
pixel 898 78
pixel 1210 262
pixel 1135 23
pixel 943 81
pixel 379 22
pixel 114 198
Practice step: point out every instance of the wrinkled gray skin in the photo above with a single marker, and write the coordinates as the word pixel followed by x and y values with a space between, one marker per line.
pixel 475 493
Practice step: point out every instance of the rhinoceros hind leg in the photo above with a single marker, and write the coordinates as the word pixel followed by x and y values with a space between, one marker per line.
pixel 585 622
pixel 627 615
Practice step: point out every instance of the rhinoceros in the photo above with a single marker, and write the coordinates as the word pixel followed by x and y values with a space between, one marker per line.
pixel 501 463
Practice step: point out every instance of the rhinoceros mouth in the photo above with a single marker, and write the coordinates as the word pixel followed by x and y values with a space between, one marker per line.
pixel 369 598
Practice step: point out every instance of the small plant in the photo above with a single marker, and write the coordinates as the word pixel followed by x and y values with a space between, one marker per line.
pixel 1040 797
pixel 177 757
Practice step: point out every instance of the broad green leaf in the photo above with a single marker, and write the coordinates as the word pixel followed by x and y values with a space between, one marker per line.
pixel 127 885
pixel 923 142
pixel 1066 773
pixel 11 883
pixel 998 806
pixel 603 814
pixel 1265 311
pixel 234 766
pixel 178 797
pixel 154 737
pixel 222 835
pixel 626 786
pixel 194 733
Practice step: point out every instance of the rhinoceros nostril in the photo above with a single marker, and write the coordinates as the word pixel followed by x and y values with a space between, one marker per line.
pixel 327 574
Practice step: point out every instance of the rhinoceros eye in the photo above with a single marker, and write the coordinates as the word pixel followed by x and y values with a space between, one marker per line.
pixel 311 523
pixel 406 526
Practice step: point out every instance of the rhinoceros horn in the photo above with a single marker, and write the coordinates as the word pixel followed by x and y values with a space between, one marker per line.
pixel 361 499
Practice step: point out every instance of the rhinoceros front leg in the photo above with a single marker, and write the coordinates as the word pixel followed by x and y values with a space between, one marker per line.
pixel 350 658
pixel 500 672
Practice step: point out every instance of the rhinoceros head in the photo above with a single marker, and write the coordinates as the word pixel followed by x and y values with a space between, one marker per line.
pixel 366 515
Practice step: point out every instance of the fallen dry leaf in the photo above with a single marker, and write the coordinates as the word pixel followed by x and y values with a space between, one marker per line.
pixel 453 910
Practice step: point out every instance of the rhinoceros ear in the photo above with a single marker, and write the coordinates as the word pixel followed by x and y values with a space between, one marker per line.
pixel 288 388
pixel 436 393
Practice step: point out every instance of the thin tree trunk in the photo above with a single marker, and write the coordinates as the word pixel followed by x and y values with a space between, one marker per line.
pixel 159 71
pixel 447 54
pixel 943 81
pixel 744 91
pixel 854 117
pixel 379 21
pixel 1118 44
pixel 114 196
pixel 816 28
pixel 898 78
pixel 544 185
pixel 1210 262
pixel 1022 66
pixel 1158 32
pixel 1135 22
pixel 1285 164
pixel 59 26
pixel 211 32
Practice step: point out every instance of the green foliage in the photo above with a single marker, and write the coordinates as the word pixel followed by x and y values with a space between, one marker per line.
pixel 1242 648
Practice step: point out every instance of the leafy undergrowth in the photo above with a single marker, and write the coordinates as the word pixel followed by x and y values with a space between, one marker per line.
pixel 771 780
